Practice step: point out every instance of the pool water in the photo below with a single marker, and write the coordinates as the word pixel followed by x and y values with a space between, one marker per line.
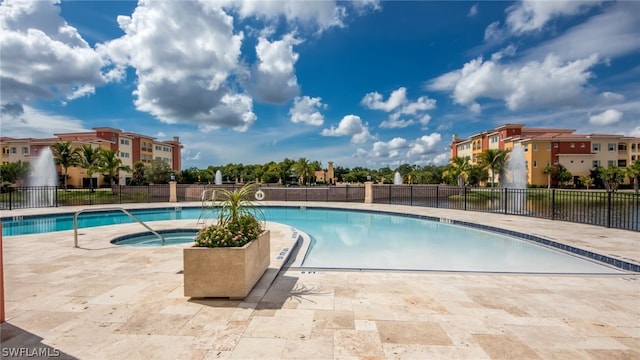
pixel 365 240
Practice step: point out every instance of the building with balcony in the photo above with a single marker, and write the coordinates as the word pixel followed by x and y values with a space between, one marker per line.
pixel 131 148
pixel 579 153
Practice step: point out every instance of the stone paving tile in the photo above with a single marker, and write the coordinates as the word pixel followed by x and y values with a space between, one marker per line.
pixel 105 301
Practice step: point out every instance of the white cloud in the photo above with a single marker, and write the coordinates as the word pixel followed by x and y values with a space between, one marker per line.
pixel 635 132
pixel 442 159
pixel 390 149
pixel 612 33
pixel 21 121
pixel 529 85
pixel 424 145
pixel 532 15
pixel 184 65
pixel 473 11
pixel 400 150
pixel 374 100
pixel 43 56
pixel 274 78
pixel 611 96
pixel 305 110
pixel 607 117
pixel 350 125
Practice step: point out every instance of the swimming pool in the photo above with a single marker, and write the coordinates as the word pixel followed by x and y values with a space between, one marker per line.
pixel 368 240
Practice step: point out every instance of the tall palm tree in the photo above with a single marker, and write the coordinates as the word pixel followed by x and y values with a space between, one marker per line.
pixel 89 159
pixel 305 169
pixel 111 164
pixel 65 156
pixel 549 171
pixel 494 160
pixel 612 176
pixel 459 168
pixel 633 173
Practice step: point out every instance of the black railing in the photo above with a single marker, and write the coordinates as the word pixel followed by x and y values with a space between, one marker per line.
pixel 619 210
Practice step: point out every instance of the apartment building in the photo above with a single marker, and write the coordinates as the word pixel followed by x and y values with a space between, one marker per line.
pixel 579 153
pixel 131 147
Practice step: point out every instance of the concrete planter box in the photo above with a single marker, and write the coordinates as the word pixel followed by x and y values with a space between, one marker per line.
pixel 226 271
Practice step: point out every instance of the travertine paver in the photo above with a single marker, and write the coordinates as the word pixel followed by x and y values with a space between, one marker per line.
pixel 108 302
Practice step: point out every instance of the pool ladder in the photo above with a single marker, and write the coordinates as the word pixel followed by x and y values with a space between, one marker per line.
pixel 75 222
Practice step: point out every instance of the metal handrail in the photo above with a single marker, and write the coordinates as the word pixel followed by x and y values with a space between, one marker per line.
pixel 75 222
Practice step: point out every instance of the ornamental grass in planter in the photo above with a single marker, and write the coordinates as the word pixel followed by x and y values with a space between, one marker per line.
pixel 229 256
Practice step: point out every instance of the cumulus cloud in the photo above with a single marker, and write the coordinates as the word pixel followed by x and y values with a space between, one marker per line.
pixel 611 96
pixel 532 15
pixel 305 110
pixel 274 79
pixel 400 108
pixel 608 117
pixel 635 132
pixel 400 150
pixel 43 56
pixel 521 86
pixel 185 79
pixel 350 125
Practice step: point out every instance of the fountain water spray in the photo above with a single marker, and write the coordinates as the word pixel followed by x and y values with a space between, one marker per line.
pixel 516 177
pixel 218 178
pixel 43 173
pixel 397 179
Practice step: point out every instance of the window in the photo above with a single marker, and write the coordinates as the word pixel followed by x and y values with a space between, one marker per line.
pixel 610 163
pixel 535 148
pixel 555 162
pixel 555 145
pixel 5 151
pixel 622 163
pixel 582 145
pixel 612 147
pixel 549 147
pixel 14 150
pixel 573 145
pixel 571 161
pixel 25 150
pixel 124 154
pixel 526 148
pixel 595 163
pixel 633 147
pixel 526 164
pixel 535 164
pixel 633 158
pixel 124 142
pixel 595 147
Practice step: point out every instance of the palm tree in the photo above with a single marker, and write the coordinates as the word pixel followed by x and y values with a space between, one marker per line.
pixel 633 173
pixel 549 171
pixel 89 159
pixel 305 169
pixel 111 164
pixel 65 156
pixel 459 168
pixel 494 160
pixel 138 173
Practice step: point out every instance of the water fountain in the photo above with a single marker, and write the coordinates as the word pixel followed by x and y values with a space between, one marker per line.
pixel 218 178
pixel 516 178
pixel 44 175
pixel 397 179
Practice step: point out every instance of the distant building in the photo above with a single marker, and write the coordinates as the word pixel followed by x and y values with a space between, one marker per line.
pixel 579 153
pixel 326 176
pixel 131 147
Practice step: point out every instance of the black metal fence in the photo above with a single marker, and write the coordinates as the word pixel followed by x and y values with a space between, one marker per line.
pixel 615 210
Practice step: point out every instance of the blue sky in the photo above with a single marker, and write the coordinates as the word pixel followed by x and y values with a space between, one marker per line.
pixel 359 83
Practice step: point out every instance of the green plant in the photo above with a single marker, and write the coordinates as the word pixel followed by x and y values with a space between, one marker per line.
pixel 237 219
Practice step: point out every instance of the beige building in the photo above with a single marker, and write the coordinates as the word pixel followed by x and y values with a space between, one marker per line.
pixel 131 148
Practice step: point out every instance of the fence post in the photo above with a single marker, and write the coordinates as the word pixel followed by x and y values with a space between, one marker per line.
pixel 506 201
pixel 465 198
pixel 411 194
pixel 609 209
pixel 437 196
pixel 10 200
pixel 553 204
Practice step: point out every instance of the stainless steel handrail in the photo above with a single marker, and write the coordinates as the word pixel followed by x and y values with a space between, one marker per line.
pixel 75 222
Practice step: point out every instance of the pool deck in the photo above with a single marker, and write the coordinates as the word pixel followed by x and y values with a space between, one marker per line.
pixel 102 301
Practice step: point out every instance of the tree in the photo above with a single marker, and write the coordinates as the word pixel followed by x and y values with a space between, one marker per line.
pixel 549 171
pixel 304 169
pixel 611 176
pixel 89 159
pixel 159 172
pixel 563 175
pixel 633 173
pixel 65 156
pixel 493 160
pixel 459 169
pixel 14 172
pixel 137 176
pixel 111 164
pixel 586 180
